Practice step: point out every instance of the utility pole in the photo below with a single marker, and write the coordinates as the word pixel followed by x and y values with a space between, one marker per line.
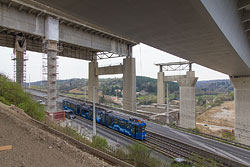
pixel 85 94
pixel 29 81
pixel 167 114
pixel 94 119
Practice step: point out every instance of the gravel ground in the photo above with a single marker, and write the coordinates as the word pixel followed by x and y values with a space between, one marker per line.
pixel 33 147
pixel 217 120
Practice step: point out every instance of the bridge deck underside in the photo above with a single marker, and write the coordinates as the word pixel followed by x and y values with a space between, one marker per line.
pixel 183 28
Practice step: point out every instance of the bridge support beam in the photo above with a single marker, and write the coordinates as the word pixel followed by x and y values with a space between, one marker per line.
pixel 160 88
pixel 129 84
pixel 19 68
pixel 52 37
pixel 93 81
pixel 242 108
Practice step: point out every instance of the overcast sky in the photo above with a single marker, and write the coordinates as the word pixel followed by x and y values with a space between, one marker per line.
pixel 146 57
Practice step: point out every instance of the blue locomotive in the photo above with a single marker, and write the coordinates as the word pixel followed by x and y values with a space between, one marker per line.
pixel 129 126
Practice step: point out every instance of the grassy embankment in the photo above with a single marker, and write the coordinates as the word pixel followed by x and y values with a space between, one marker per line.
pixel 12 93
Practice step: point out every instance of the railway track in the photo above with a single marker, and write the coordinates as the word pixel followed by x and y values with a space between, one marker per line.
pixel 179 149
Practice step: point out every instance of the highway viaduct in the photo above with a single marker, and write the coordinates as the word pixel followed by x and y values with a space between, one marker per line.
pixel 211 33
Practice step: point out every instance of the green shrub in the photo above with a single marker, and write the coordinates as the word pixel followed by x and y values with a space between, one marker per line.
pixel 141 156
pixel 228 135
pixel 147 100
pixel 119 152
pixel 12 93
pixel 195 130
pixel 99 142
pixel 200 161
pixel 3 100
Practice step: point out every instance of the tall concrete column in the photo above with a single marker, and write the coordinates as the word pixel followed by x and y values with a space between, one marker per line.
pixel 19 67
pixel 93 81
pixel 129 84
pixel 187 100
pixel 52 37
pixel 160 88
pixel 242 108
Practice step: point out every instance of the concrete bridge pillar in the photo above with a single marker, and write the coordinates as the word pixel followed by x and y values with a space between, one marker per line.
pixel 242 108
pixel 160 88
pixel 187 100
pixel 52 38
pixel 19 67
pixel 93 80
pixel 129 84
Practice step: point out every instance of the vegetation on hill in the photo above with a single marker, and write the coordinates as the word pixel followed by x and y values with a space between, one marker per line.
pixel 109 85
pixel 213 87
pixel 212 93
pixel 205 102
pixel 12 93
pixel 150 85
pixel 206 91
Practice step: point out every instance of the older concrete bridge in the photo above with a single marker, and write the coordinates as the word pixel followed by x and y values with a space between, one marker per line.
pixel 211 33
pixel 35 27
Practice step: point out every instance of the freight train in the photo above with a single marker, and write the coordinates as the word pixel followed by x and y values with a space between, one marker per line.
pixel 132 127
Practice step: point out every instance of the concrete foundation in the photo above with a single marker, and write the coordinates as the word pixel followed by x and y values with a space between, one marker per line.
pixel 160 88
pixel 129 84
pixel 52 36
pixel 242 109
pixel 93 81
pixel 187 100
pixel 19 67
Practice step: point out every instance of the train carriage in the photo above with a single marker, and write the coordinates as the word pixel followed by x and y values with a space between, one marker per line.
pixel 129 126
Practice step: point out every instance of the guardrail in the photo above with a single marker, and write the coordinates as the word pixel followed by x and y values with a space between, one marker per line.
pixel 237 144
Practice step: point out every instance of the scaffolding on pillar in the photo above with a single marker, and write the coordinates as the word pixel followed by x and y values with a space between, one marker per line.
pixel 45 63
pixel 44 70
pixel 25 59
pixel 50 72
pixel 13 58
pixel 175 66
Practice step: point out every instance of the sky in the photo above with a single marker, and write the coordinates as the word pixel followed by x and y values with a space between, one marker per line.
pixel 145 55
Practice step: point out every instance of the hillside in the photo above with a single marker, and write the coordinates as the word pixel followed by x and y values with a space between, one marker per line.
pixel 214 87
pixel 113 86
pixel 108 85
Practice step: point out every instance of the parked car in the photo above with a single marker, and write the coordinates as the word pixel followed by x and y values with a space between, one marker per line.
pixel 41 102
pixel 69 114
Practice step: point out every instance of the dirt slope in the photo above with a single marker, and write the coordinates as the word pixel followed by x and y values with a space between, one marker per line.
pixel 217 119
pixel 33 147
